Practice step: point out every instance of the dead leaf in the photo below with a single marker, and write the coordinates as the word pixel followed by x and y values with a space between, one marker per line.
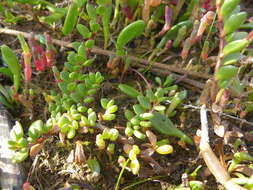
pixel 79 153
pixel 148 151
pixel 244 169
pixel 219 145
pixel 71 157
pixel 127 148
pixel 152 138
pixel 62 137
pixel 219 130
pixel 35 149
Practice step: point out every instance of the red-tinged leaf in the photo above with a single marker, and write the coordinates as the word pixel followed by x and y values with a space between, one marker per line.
pixel 39 66
pixel 28 72
pixel 127 11
pixel 27 66
pixel 174 2
pixel 27 186
pixel 208 6
pixel 39 49
pixel 50 54
pixel 168 19
pixel 44 60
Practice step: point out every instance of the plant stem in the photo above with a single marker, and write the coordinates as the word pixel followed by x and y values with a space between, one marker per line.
pixel 143 181
pixel 120 174
pixel 221 35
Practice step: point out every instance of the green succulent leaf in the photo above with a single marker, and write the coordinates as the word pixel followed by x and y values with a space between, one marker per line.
pixel 164 125
pixel 20 156
pixel 129 114
pixel 108 117
pixel 80 3
pixel 104 102
pixel 144 102
pixel 6 71
pixel 234 22
pixel 235 46
pixel 94 165
pixel 247 26
pixel 13 64
pixel 133 30
pixel 139 134
pixel 236 36
pixel 231 58
pixel 226 72
pixel 138 109
pixel 112 109
pixel 71 19
pixel 91 11
pixel 227 7
pixel 17 131
pixel 130 91
pixel 71 133
pixel 84 31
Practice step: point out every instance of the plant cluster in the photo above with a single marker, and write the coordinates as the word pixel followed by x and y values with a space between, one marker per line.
pixel 77 109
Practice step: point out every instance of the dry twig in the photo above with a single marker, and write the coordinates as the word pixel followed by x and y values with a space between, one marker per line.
pixel 210 158
pixel 138 62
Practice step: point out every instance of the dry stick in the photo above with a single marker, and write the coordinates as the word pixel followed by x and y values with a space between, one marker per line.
pixel 111 53
pixel 176 76
pixel 154 64
pixel 210 158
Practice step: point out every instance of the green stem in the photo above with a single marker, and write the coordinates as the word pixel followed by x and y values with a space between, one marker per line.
pixel 120 175
pixel 116 14
pixel 143 181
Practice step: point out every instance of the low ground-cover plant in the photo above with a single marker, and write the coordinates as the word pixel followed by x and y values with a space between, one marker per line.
pixel 145 130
